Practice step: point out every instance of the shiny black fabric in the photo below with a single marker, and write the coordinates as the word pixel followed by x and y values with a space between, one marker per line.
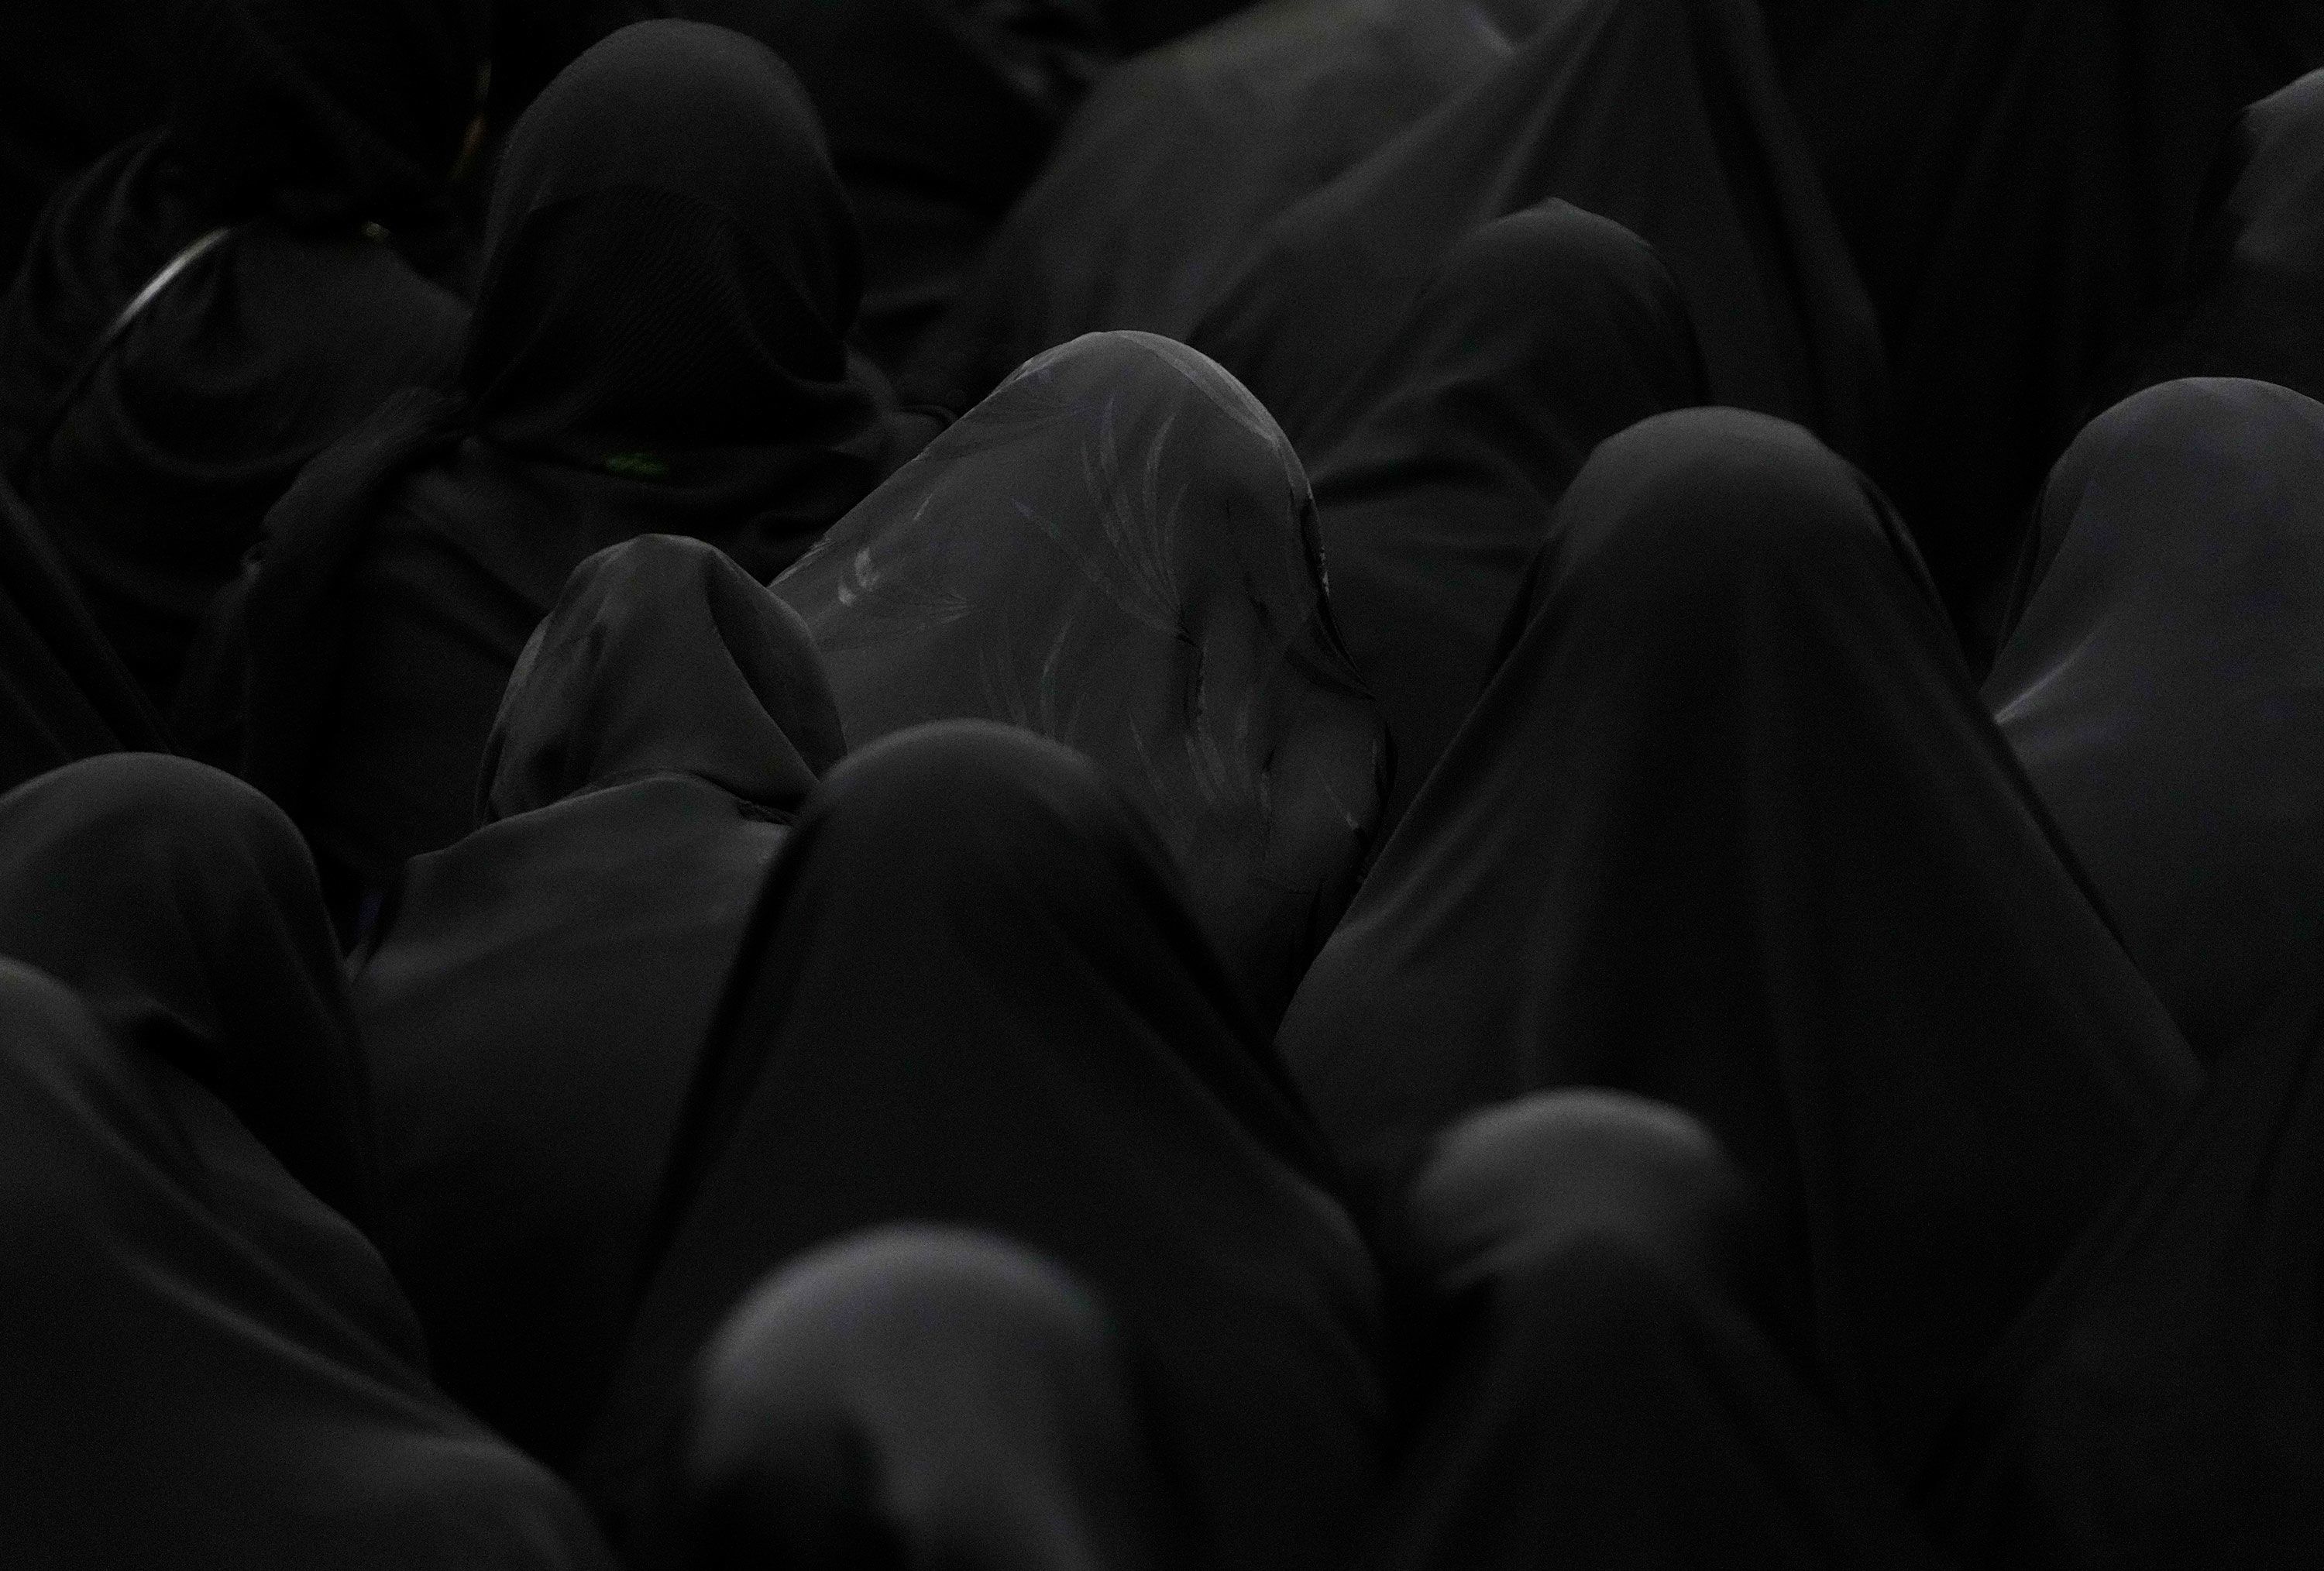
pixel 940 112
pixel 179 903
pixel 658 349
pixel 155 477
pixel 973 996
pixel 2019 182
pixel 924 1396
pixel 2247 304
pixel 539 995
pixel 64 693
pixel 2162 681
pixel 1665 115
pixel 1162 180
pixel 1543 334
pixel 1730 829
pixel 1600 1369
pixel 1117 549
pixel 207 1368
pixel 2161 1407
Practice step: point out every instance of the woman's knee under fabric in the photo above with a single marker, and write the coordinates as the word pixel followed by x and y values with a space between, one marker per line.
pixel 923 1395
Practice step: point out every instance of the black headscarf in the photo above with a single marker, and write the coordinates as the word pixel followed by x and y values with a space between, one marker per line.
pixel 1117 549
pixel 2018 180
pixel 2159 1406
pixel 924 1396
pixel 1730 829
pixel 207 1368
pixel 2249 302
pixel 2162 681
pixel 1599 1382
pixel 973 997
pixel 181 905
pixel 1543 334
pixel 1665 115
pixel 1180 158
pixel 940 112
pixel 539 996
pixel 658 348
pixel 64 694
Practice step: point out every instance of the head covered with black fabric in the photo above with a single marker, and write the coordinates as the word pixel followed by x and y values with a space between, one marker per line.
pixel 182 906
pixel 670 277
pixel 662 657
pixel 1542 335
pixel 2162 681
pixel 322 114
pixel 1118 550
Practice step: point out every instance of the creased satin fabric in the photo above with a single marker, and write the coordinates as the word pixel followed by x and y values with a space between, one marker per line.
pixel 539 995
pixel 973 996
pixel 1543 334
pixel 1665 115
pixel 2162 681
pixel 1730 829
pixel 1117 550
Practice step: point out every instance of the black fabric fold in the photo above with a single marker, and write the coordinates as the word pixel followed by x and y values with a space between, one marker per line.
pixel 1182 156
pixel 1542 334
pixel 1665 115
pixel 181 905
pixel 2019 184
pixel 1730 829
pixel 973 997
pixel 1598 1379
pixel 2163 681
pixel 207 1368
pixel 538 997
pixel 1117 550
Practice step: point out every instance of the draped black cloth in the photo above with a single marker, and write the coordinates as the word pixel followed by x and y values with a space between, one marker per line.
pixel 2248 302
pixel 925 1396
pixel 2019 184
pixel 1542 334
pixel 207 1368
pixel 940 112
pixel 180 905
pixel 1118 550
pixel 973 997
pixel 539 995
pixel 64 693
pixel 1181 157
pixel 658 347
pixel 1730 829
pixel 2162 681
pixel 2161 1405
pixel 1599 1365
pixel 1665 115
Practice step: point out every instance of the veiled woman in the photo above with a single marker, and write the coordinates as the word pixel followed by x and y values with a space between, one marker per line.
pixel 658 347
pixel 1117 550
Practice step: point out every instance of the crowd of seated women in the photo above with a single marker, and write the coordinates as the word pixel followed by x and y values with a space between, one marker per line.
pixel 1021 785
